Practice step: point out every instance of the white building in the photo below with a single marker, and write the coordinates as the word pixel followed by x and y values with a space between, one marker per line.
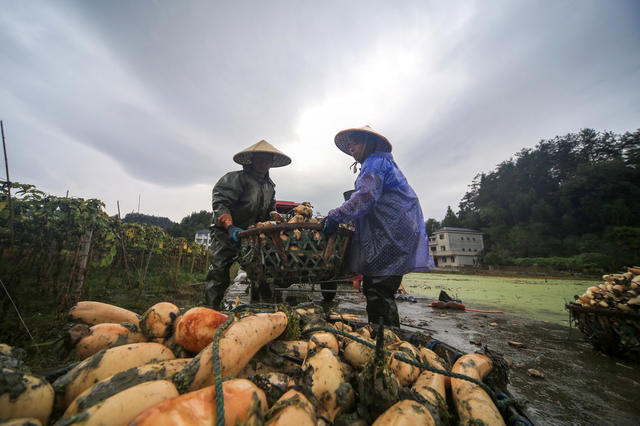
pixel 454 247
pixel 203 237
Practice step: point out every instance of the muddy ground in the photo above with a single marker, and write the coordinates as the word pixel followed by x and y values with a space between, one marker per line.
pixel 581 385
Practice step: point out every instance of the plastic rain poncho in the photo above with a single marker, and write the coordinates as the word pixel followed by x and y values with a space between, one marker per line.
pixel 390 236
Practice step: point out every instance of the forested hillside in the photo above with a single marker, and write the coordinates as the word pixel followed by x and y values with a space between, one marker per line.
pixel 190 224
pixel 186 228
pixel 149 220
pixel 573 195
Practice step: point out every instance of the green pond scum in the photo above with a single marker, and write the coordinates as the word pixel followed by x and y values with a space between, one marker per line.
pixel 536 298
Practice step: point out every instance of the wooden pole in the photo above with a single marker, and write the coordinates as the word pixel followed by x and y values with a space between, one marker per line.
pixel 6 167
pixel 124 250
pixel 144 274
pixel 78 283
pixel 64 303
pixel 178 263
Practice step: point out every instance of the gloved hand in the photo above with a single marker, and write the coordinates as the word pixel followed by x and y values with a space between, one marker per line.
pixel 233 232
pixel 329 226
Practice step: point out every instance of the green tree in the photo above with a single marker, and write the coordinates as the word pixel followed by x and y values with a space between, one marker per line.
pixel 450 218
pixel 432 226
pixel 145 219
pixel 189 225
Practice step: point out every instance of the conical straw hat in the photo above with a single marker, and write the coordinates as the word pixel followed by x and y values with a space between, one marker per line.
pixel 244 157
pixel 342 139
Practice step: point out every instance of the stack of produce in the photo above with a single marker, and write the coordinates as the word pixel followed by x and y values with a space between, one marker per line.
pixel 609 314
pixel 302 213
pixel 618 291
pixel 292 366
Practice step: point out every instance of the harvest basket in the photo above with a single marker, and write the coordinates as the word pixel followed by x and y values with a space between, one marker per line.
pixel 293 253
pixel 613 332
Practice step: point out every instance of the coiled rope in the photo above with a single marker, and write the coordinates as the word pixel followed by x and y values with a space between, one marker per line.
pixel 500 403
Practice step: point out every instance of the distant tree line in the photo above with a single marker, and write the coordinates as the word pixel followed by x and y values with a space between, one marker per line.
pixel 190 224
pixel 186 228
pixel 145 219
pixel 570 200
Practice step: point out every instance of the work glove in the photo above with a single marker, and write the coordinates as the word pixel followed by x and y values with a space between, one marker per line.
pixel 329 226
pixel 233 232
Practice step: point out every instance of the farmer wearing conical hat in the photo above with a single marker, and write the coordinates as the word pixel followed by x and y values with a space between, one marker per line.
pixel 240 199
pixel 390 238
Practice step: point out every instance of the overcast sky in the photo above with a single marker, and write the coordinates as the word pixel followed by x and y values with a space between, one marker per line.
pixel 118 100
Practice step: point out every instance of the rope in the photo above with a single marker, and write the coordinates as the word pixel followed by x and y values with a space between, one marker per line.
pixel 217 374
pixel 20 317
pixel 500 403
pixel 256 307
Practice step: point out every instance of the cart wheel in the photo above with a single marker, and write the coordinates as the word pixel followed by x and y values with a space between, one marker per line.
pixel 329 296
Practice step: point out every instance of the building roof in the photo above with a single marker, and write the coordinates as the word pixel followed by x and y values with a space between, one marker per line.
pixel 452 229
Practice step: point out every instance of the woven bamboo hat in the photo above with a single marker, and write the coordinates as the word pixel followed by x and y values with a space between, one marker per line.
pixel 245 156
pixel 342 139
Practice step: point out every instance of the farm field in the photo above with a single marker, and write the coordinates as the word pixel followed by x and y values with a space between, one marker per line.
pixel 541 299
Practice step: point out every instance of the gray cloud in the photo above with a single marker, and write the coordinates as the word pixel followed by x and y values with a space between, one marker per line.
pixel 115 99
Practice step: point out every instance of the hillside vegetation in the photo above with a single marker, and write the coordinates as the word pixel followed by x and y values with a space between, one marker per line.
pixel 571 202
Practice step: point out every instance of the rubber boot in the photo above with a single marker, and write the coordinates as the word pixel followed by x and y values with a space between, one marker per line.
pixel 265 292
pixel 215 287
pixel 254 296
pixel 380 293
pixel 223 253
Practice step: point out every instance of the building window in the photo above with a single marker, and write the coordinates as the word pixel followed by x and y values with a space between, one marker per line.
pixel 462 238
pixel 443 248
pixel 442 236
pixel 433 248
pixel 474 238
pixel 453 259
pixel 468 238
pixel 463 249
pixel 444 260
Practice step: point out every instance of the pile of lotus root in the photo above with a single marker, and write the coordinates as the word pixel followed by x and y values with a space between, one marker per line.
pixel 618 291
pixel 302 213
pixel 290 366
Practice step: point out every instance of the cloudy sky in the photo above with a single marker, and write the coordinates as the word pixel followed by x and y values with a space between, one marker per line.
pixel 149 100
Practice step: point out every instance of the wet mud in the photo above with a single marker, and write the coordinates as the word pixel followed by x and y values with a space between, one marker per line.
pixel 581 386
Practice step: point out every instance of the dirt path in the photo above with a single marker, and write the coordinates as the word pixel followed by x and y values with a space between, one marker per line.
pixel 581 386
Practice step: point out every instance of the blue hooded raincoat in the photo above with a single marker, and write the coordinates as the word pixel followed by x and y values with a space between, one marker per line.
pixel 390 236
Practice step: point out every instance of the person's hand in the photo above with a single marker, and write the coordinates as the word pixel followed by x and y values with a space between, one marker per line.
pixel 329 226
pixel 233 232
